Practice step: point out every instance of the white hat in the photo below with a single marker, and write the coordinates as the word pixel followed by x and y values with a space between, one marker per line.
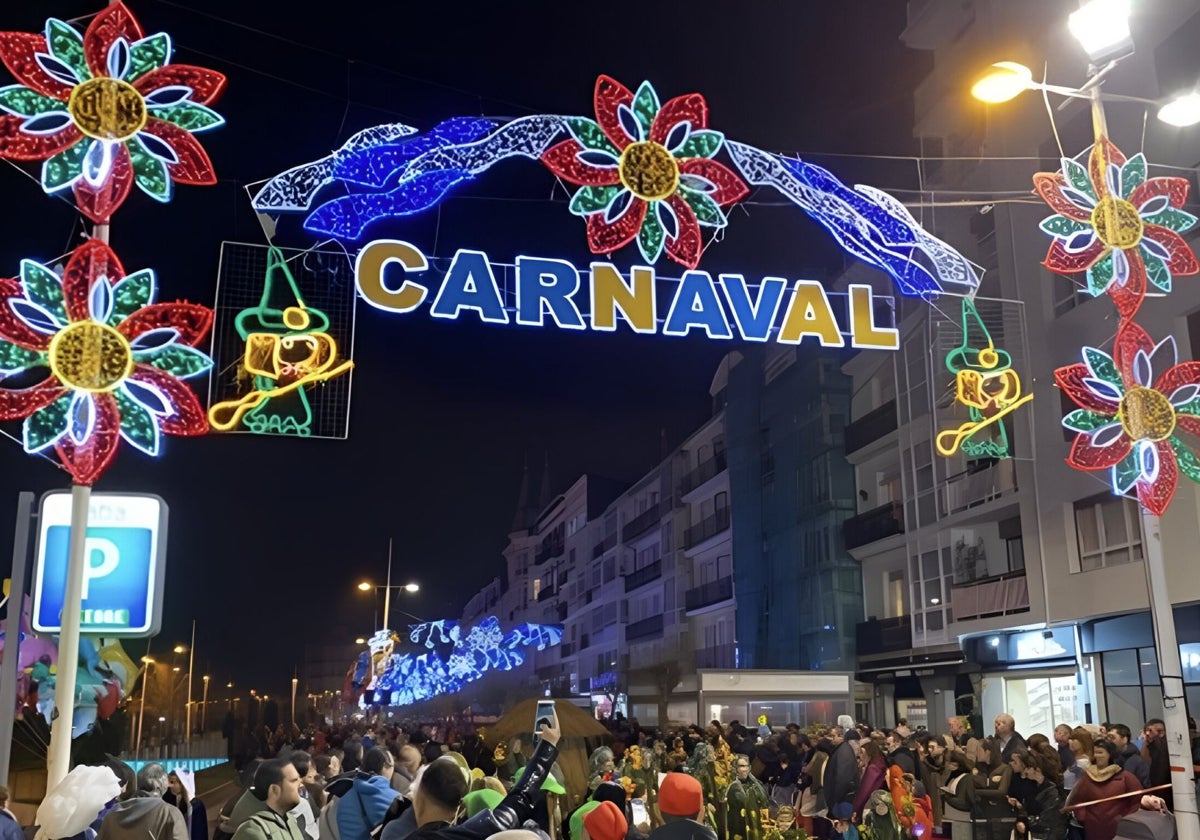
pixel 845 721
pixel 188 779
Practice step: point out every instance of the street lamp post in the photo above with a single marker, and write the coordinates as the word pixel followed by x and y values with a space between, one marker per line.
pixel 149 663
pixel 204 706
pixel 367 586
pixel 187 736
pixel 1102 28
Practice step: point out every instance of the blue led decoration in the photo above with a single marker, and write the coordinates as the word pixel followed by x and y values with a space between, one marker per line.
pixel 645 172
pixel 383 677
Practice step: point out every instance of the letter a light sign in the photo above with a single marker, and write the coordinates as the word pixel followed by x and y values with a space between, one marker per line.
pixel 126 558
pixel 646 177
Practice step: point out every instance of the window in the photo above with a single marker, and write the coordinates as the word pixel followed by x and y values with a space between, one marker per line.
pixel 1132 690
pixel 893 594
pixel 537 587
pixel 1108 532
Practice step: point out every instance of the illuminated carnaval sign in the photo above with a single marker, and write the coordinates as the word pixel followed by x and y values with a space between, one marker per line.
pixel 554 290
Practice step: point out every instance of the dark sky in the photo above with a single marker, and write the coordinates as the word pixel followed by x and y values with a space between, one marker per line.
pixel 268 535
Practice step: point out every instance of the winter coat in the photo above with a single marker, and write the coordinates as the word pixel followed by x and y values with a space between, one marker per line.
pixel 841 775
pixel 933 775
pixel 265 824
pixel 904 759
pixel 141 814
pixel 1044 812
pixel 683 830
pixel 874 778
pixel 195 818
pixel 363 807
pixel 1132 762
pixel 1100 821
pixel 10 829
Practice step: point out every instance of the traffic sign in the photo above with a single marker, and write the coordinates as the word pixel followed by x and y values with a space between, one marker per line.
pixel 126 561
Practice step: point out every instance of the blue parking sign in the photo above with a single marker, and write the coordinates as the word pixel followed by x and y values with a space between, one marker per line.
pixel 123 576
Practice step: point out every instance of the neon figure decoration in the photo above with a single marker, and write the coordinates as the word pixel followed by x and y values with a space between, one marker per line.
pixel 116 360
pixel 986 384
pixel 382 677
pixel 288 349
pixel 106 109
pixel 1116 224
pixel 645 171
pixel 1132 407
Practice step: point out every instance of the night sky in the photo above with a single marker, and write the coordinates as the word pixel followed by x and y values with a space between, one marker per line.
pixel 269 535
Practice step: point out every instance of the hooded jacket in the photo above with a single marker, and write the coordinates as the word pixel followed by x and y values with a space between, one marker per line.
pixel 841 775
pixel 141 814
pixel 261 823
pixel 1132 762
pixel 683 830
pixel 363 807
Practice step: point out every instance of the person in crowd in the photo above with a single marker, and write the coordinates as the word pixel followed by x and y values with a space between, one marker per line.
pixel 1080 744
pixel 408 761
pixel 841 771
pixel 1042 812
pixel 873 776
pixel 1104 779
pixel 10 827
pixel 844 827
pixel 1156 755
pixel 1127 754
pixel 681 802
pixel 812 782
pixel 745 799
pixel 1021 789
pixel 959 789
pixel 364 805
pixel 677 758
pixel 304 811
pixel 604 822
pixel 265 815
pixel 899 753
pixel 181 792
pixel 1062 734
pixel 958 731
pixel 145 812
pixel 1006 732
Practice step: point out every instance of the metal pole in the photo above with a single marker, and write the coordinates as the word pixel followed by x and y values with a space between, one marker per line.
pixel 187 739
pixel 12 636
pixel 295 681
pixel 387 591
pixel 58 757
pixel 1170 671
pixel 142 710
pixel 204 707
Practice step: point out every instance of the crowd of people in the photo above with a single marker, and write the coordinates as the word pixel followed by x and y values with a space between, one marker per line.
pixel 724 782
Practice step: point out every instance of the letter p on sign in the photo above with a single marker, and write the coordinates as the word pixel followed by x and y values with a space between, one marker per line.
pixel 110 556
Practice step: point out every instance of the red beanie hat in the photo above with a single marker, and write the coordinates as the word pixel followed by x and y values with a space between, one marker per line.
pixel 680 795
pixel 606 822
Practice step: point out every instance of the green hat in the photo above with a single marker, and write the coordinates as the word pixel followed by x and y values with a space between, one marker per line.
pixel 576 821
pixel 481 800
pixel 551 784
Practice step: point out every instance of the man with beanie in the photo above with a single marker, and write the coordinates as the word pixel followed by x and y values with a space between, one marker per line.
pixel 681 802
pixel 146 812
pixel 262 812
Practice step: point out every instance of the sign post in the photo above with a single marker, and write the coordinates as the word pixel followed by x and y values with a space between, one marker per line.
pixel 12 635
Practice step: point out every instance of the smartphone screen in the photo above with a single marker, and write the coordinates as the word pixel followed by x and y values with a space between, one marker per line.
pixel 545 715
pixel 637 808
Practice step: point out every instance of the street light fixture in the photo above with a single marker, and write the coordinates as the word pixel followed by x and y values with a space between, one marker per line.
pixel 1006 80
pixel 1102 28
pixel 179 649
pixel 360 641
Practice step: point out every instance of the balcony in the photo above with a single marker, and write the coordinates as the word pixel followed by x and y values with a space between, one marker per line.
pixel 642 576
pixel 546 593
pixel 997 596
pixel 874 524
pixel 566 649
pixel 707 594
pixel 548 549
pixel 645 520
pixel 645 629
pixel 888 635
pixel 604 545
pixel 717 656
pixel 978 486
pixel 706 470
pixel 707 528
pixel 871 426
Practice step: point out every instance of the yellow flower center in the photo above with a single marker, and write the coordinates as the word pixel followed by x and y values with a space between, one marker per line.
pixel 90 357
pixel 107 109
pixel 1146 414
pixel 649 171
pixel 1117 223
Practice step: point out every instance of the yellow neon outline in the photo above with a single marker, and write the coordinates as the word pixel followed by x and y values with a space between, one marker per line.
pixel 88 325
pixel 969 428
pixel 628 186
pixel 103 81
pixel 1125 426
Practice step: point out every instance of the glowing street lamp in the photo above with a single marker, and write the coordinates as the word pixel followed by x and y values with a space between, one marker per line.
pixel 1102 28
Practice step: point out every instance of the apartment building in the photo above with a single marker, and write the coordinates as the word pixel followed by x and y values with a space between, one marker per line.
pixel 1015 584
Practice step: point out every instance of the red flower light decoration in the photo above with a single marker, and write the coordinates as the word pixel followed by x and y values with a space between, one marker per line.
pixel 646 172
pixel 1116 224
pixel 105 110
pixel 1132 407
pixel 116 360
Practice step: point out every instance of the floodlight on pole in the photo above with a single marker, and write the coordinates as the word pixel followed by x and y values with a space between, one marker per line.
pixel 1182 111
pixel 1102 28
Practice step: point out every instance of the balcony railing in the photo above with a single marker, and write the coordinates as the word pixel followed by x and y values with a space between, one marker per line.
pixel 995 596
pixel 604 545
pixel 717 656
pixel 642 576
pixel 706 594
pixel 706 470
pixel 546 593
pixel 874 524
pixel 886 635
pixel 707 528
pixel 871 426
pixel 566 649
pixel 644 629
pixel 645 520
